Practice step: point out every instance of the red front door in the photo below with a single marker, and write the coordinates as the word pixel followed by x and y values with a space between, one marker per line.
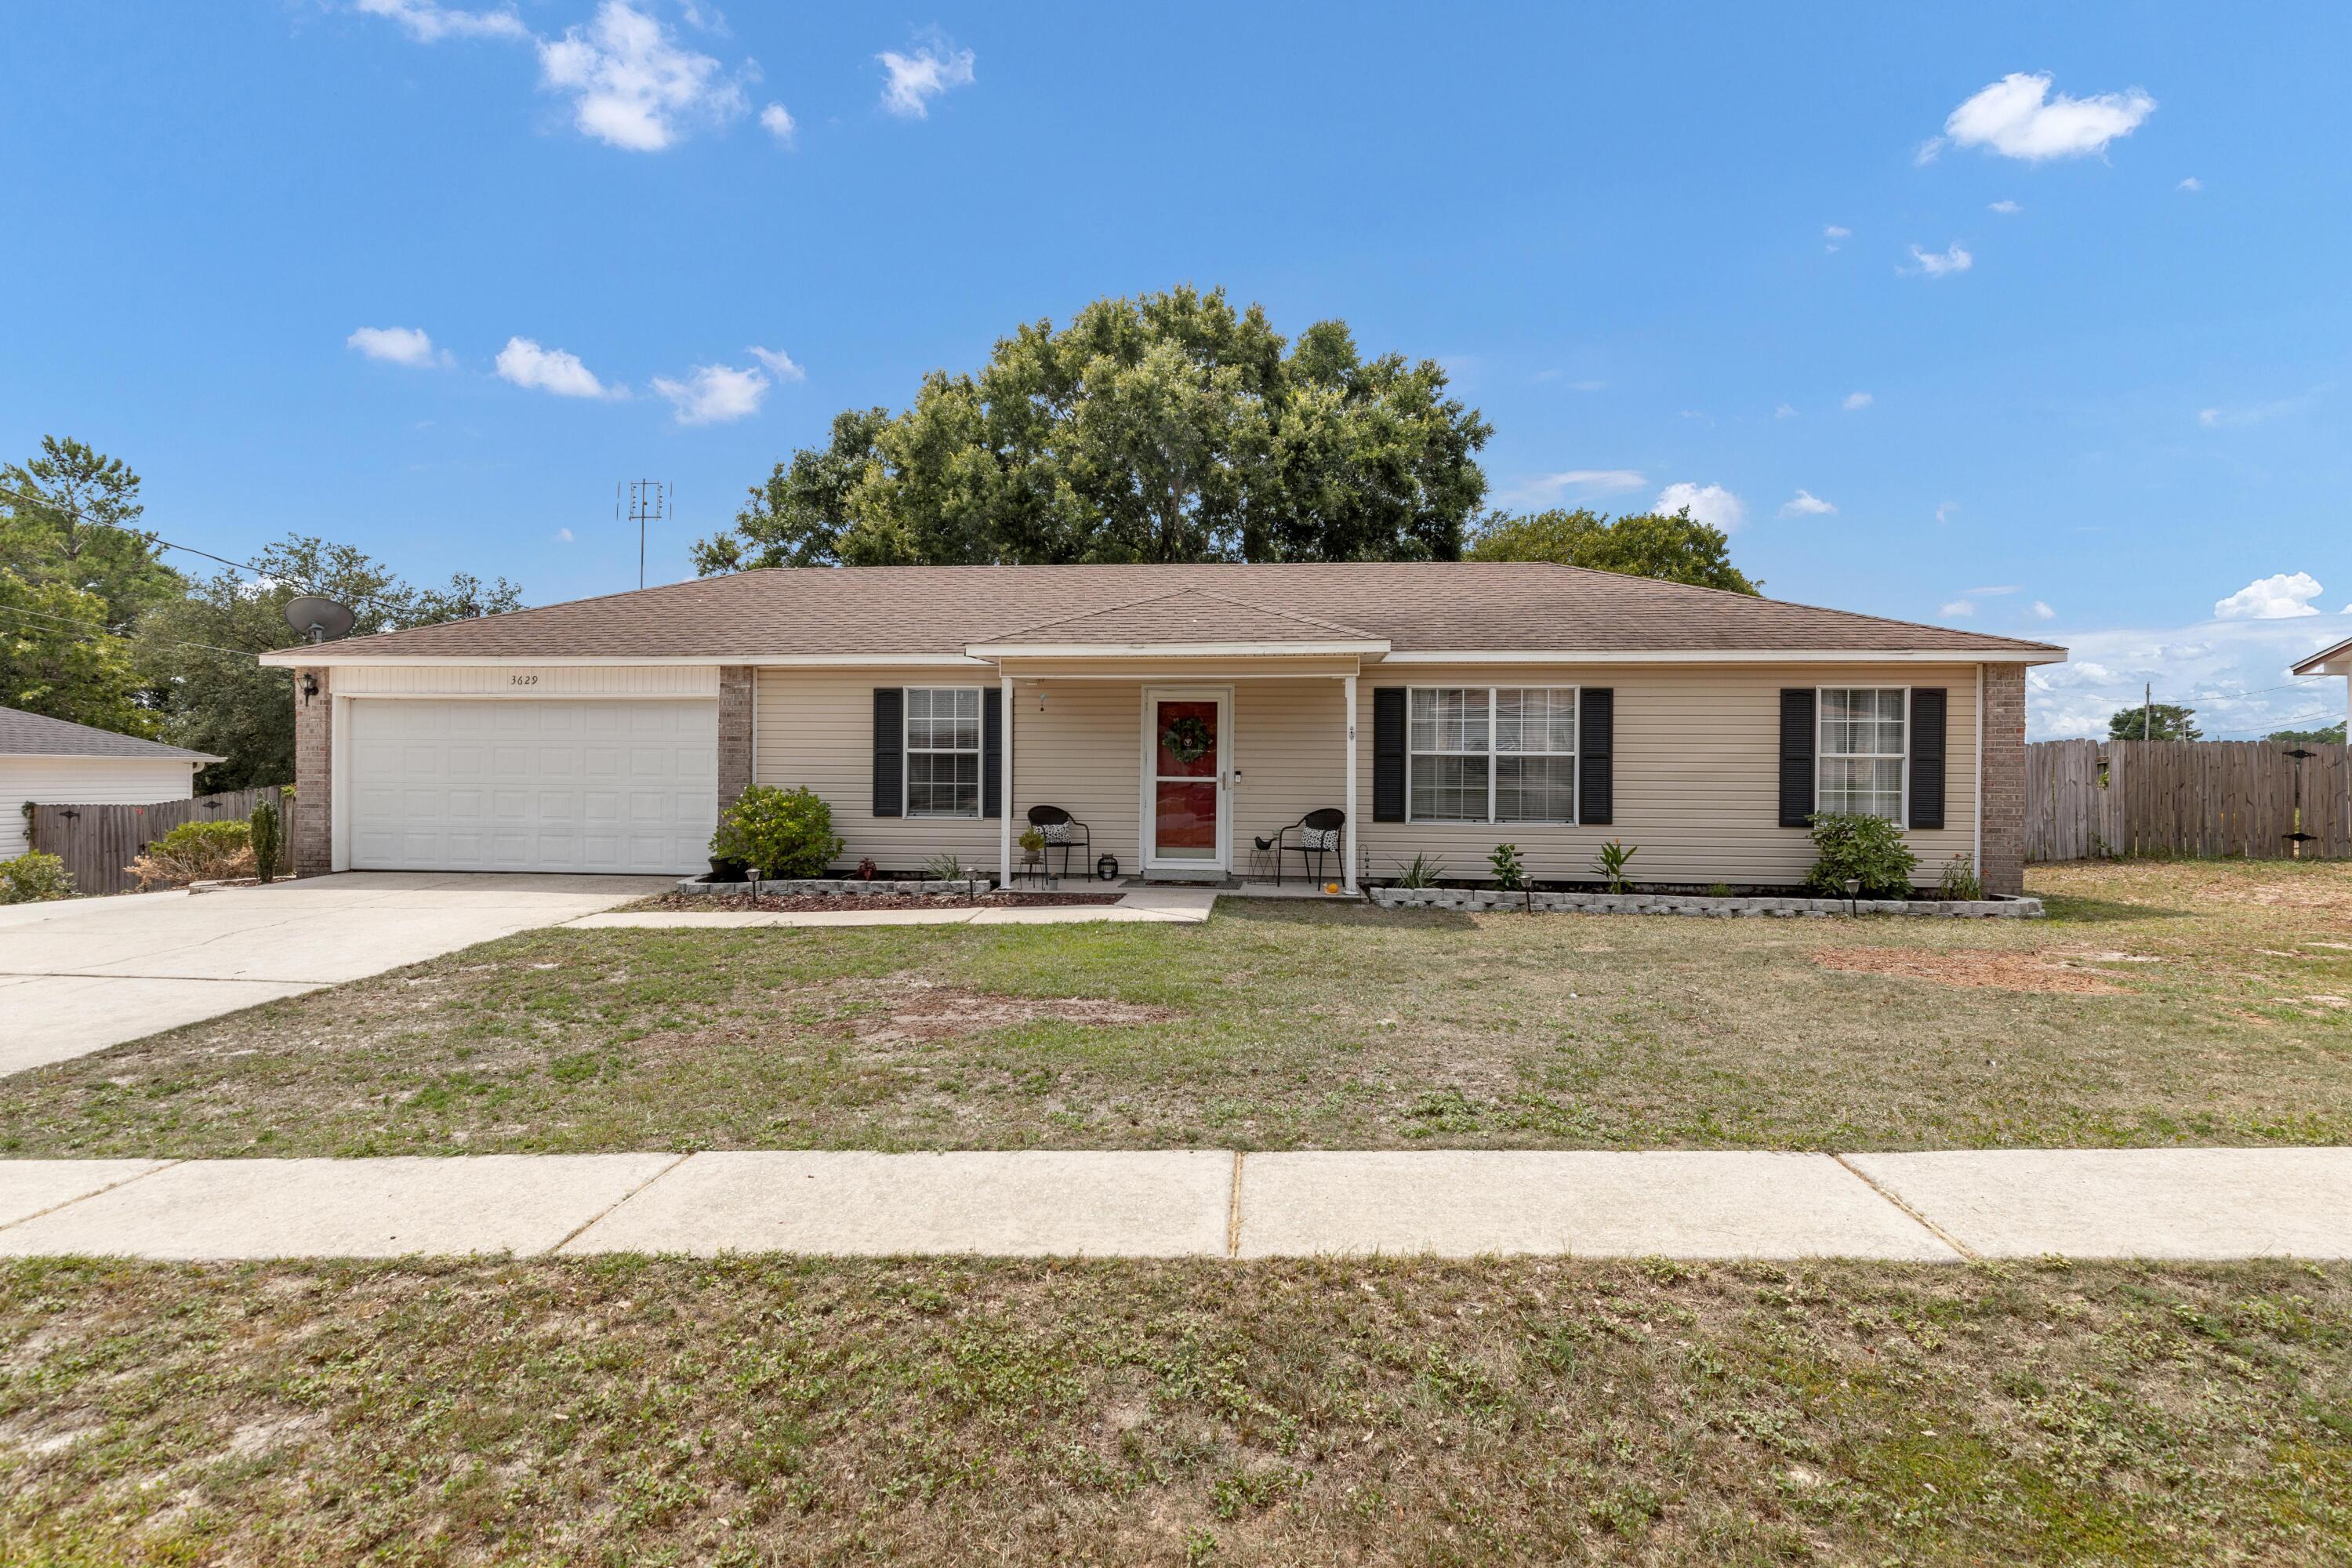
pixel 1187 748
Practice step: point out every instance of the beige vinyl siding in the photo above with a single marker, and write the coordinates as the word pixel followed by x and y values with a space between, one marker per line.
pixel 1696 765
pixel 84 781
pixel 1696 773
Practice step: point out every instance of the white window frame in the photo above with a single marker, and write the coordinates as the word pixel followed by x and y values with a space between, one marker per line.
pixel 907 750
pixel 1493 758
pixel 1822 753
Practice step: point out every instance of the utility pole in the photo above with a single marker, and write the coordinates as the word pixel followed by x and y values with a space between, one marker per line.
pixel 649 500
pixel 2147 695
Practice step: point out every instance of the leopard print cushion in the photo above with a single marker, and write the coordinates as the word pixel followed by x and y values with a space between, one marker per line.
pixel 1055 832
pixel 1319 837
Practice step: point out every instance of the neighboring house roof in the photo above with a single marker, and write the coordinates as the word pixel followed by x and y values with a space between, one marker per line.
pixel 23 735
pixel 1414 607
pixel 2336 660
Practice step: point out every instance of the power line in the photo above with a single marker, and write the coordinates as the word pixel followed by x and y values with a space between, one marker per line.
pixel 67 623
pixel 2279 723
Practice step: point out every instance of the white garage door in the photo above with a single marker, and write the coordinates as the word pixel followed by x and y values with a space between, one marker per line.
pixel 532 785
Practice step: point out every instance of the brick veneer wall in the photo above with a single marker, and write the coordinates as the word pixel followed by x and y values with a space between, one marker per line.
pixel 735 685
pixel 2005 779
pixel 314 782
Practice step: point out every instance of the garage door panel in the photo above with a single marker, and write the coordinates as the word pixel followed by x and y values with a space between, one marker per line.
pixel 533 784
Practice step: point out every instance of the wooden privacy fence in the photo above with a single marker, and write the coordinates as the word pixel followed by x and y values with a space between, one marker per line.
pixel 2250 798
pixel 98 842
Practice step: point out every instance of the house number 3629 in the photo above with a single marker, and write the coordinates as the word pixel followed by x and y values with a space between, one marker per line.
pixel 522 680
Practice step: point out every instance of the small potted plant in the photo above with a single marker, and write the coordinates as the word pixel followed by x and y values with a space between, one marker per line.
pixel 1033 847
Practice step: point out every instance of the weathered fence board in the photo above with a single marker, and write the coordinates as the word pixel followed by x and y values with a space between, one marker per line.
pixel 98 842
pixel 2248 799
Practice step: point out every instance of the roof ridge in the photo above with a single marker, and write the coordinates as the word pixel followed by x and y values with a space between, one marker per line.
pixel 1766 599
pixel 1152 598
pixel 1304 620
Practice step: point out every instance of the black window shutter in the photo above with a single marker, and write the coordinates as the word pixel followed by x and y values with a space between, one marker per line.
pixel 1596 744
pixel 1796 756
pixel 992 752
pixel 1927 756
pixel 889 751
pixel 1387 754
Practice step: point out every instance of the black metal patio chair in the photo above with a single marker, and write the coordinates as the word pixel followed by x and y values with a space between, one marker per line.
pixel 1314 836
pixel 1063 832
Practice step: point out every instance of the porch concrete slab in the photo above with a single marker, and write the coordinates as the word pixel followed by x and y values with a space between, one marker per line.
pixel 1471 1202
pixel 2129 1203
pixel 28 1187
pixel 57 1017
pixel 226 1209
pixel 1015 1205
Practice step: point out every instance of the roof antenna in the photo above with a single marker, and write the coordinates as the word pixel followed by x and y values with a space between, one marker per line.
pixel 648 501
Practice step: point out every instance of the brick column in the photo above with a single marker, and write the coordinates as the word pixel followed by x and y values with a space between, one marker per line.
pixel 2005 779
pixel 735 696
pixel 314 778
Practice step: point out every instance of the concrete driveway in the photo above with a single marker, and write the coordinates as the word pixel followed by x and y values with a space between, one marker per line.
pixel 81 975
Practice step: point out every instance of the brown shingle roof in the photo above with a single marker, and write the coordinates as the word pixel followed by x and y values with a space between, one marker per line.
pixel 1183 616
pixel 1416 605
pixel 23 735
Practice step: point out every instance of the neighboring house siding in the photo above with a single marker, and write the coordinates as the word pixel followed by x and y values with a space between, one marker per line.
pixel 1695 766
pixel 83 781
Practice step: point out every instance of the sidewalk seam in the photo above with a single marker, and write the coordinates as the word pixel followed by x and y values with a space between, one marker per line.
pixel 96 1192
pixel 583 1226
pixel 1233 1211
pixel 1929 1226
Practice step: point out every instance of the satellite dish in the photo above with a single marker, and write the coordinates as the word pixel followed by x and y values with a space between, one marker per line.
pixel 319 619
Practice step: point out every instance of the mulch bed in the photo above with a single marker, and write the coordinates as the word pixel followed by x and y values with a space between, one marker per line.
pixel 818 903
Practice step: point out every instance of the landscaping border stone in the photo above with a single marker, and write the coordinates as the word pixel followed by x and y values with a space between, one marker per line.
pixel 842 887
pixel 1468 900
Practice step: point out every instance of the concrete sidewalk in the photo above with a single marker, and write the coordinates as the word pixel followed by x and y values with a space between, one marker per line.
pixel 2150 1202
pixel 1166 906
pixel 80 974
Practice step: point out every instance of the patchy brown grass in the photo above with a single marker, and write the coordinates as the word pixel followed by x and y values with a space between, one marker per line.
pixel 2000 970
pixel 819 903
pixel 2168 1002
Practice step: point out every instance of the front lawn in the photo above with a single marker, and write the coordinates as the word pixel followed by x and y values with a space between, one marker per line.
pixel 2186 1003
pixel 790 1411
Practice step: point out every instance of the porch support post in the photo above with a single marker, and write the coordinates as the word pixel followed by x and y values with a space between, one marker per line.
pixel 1004 821
pixel 1348 834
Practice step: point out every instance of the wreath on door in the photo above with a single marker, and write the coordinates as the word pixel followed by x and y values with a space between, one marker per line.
pixel 1188 738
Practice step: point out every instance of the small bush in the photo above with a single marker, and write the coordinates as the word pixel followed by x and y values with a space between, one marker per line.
pixel 946 867
pixel 1510 872
pixel 782 832
pixel 1868 849
pixel 196 852
pixel 268 830
pixel 1959 880
pixel 34 877
pixel 1423 870
pixel 1611 865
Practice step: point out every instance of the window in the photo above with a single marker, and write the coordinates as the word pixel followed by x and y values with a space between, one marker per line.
pixel 1864 736
pixel 942 750
pixel 1492 753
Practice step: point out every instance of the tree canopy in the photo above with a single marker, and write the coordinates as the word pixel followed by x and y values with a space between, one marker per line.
pixel 1170 427
pixel 1674 549
pixel 2325 735
pixel 2157 722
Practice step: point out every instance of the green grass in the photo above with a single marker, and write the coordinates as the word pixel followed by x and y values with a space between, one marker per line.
pixel 634 1410
pixel 2221 1013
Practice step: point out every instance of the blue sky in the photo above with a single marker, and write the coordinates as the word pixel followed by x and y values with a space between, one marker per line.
pixel 2045 303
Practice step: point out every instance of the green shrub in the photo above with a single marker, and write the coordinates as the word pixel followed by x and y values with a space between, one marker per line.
pixel 34 877
pixel 1959 880
pixel 1423 870
pixel 782 832
pixel 1611 865
pixel 268 830
pixel 1868 849
pixel 196 852
pixel 1510 872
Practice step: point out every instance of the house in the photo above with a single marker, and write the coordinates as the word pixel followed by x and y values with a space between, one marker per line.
pixel 1182 711
pixel 2335 660
pixel 49 762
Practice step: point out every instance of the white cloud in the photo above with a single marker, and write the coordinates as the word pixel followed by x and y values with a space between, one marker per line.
pixel 2006 207
pixel 396 345
pixel 1543 489
pixel 1956 608
pixel 714 394
pixel 2252 413
pixel 915 79
pixel 562 536
pixel 1937 264
pixel 1805 503
pixel 1855 400
pixel 631 85
pixel 1946 511
pixel 429 23
pixel 2043 612
pixel 2192 184
pixel 2231 672
pixel 2018 117
pixel 525 363
pixel 1784 411
pixel 2274 598
pixel 777 122
pixel 780 363
pixel 1710 504
pixel 1834 234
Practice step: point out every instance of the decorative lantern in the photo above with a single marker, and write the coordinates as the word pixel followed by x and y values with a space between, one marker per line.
pixel 1107 868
